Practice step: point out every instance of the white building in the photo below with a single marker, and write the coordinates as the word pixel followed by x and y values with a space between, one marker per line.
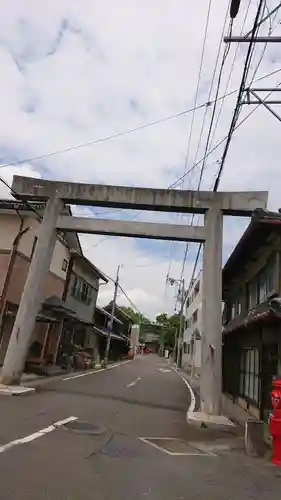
pixel 193 326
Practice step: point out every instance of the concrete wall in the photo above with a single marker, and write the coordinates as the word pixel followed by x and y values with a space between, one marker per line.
pixel 9 227
pixel 195 304
pixel 4 262
pixel 52 285
pixel 238 411
pixel 258 261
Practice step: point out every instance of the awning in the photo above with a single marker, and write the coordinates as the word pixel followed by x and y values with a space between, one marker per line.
pixel 40 318
pixel 104 333
pixel 267 317
pixel 108 315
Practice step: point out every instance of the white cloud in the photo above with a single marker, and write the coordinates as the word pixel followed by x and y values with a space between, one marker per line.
pixel 78 71
pixel 142 274
pixel 7 173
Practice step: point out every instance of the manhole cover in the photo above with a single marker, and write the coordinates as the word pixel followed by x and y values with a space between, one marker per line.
pixel 84 427
pixel 173 446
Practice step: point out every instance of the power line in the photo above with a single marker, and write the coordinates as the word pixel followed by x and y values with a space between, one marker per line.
pixel 264 47
pixel 240 94
pixel 230 73
pixel 193 115
pixel 217 145
pixel 226 52
pixel 220 168
pixel 112 136
pixel 128 298
pixel 178 180
pixel 198 83
pixel 14 194
pixel 129 131
pixel 213 77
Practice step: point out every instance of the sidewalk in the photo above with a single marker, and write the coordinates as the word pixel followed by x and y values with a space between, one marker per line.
pixel 214 439
pixel 34 380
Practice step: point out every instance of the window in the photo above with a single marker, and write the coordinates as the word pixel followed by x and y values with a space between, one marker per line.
pixel 196 289
pixel 188 348
pixel 261 285
pixel 249 374
pixel 81 290
pixel 188 322
pixel 195 316
pixel 33 246
pixel 252 293
pixel 64 265
pixel 266 280
pixel 236 308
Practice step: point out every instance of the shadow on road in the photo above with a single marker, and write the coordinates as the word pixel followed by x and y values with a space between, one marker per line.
pixel 112 397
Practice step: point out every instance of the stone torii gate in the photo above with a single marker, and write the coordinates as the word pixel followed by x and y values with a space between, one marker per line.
pixel 212 204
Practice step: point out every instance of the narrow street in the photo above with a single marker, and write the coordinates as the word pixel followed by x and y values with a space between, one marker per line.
pixel 106 460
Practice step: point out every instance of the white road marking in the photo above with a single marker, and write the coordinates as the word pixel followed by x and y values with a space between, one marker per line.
pixel 72 377
pixel 36 435
pixel 192 395
pixel 133 383
pixel 163 370
pixel 202 453
pixel 84 374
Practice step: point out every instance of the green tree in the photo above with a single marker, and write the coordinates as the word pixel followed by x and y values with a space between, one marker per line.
pixel 162 319
pixel 136 317
pixel 170 326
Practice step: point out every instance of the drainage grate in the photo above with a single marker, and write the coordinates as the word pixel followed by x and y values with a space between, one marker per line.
pixel 84 427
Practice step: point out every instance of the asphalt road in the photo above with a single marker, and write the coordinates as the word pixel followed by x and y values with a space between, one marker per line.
pixel 105 459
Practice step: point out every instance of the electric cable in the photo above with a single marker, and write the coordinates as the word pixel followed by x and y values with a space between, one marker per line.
pixel 240 94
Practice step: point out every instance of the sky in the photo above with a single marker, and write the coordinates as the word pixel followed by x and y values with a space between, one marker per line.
pixel 77 72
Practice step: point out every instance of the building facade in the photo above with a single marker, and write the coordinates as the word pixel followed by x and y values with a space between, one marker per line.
pixel 191 358
pixel 120 332
pixel 69 290
pixel 251 319
pixel 18 236
pixel 80 298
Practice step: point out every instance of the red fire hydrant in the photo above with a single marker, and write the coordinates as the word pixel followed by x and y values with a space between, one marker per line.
pixel 275 422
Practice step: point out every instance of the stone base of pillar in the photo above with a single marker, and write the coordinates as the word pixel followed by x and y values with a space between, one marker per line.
pixel 254 438
pixel 201 419
pixel 14 390
pixel 9 381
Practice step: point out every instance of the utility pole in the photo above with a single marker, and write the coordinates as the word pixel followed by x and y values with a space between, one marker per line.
pixel 110 323
pixel 179 336
pixel 251 95
pixel 181 328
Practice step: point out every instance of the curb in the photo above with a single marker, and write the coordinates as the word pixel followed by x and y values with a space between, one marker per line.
pixel 193 401
pixel 31 386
